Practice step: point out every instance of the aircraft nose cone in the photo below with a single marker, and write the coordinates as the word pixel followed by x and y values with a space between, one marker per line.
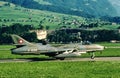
pixel 101 47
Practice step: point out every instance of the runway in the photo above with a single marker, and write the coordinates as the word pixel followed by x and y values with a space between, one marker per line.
pixel 54 60
pixel 98 59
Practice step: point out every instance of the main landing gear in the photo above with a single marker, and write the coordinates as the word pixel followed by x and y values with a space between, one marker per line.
pixel 61 58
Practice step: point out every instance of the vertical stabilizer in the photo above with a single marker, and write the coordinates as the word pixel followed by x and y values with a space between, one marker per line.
pixel 19 40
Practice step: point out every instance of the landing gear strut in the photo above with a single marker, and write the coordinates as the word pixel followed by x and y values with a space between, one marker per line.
pixel 93 55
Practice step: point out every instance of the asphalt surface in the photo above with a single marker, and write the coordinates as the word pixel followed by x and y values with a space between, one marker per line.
pixel 54 60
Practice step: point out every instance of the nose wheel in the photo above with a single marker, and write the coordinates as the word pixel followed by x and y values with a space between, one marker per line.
pixel 93 55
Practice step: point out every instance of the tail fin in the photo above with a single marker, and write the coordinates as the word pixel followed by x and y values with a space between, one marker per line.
pixel 19 40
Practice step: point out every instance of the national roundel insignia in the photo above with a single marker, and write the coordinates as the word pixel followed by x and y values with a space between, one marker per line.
pixel 20 41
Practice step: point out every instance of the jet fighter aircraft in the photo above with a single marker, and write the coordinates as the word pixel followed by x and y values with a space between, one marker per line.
pixel 23 47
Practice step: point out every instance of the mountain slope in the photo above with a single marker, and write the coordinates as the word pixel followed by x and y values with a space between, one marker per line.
pixel 35 5
pixel 95 7
pixel 10 14
pixel 116 4
pixel 85 8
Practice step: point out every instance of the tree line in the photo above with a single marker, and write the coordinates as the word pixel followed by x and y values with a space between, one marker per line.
pixel 77 35
pixel 57 36
pixel 19 29
pixel 111 19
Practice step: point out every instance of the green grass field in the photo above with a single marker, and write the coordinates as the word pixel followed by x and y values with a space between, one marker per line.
pixel 107 27
pixel 10 15
pixel 60 69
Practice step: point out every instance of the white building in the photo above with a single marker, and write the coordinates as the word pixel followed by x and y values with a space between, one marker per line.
pixel 41 34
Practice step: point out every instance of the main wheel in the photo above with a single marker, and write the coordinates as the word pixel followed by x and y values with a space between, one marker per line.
pixel 62 58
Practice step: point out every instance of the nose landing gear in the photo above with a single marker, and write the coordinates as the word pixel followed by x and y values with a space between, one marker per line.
pixel 93 55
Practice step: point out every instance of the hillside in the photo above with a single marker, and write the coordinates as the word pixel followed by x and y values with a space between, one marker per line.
pixel 116 4
pixel 10 13
pixel 92 7
pixel 84 8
